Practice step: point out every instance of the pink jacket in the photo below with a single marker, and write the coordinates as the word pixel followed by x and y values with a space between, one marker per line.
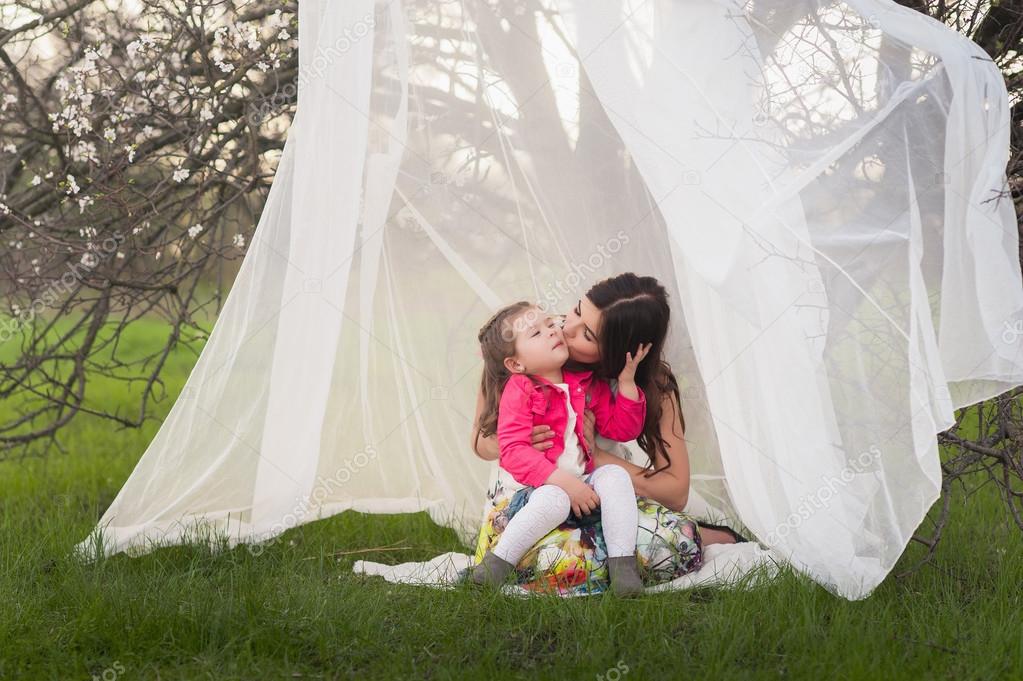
pixel 524 406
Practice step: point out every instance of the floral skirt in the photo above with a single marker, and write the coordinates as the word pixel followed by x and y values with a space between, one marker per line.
pixel 571 559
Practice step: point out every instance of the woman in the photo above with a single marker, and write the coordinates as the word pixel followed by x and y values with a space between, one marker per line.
pixel 617 314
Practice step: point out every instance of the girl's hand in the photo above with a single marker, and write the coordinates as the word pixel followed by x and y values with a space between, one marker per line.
pixel 628 374
pixel 541 438
pixel 582 496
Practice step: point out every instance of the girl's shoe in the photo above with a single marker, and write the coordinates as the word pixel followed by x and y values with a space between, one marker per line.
pixel 624 574
pixel 724 528
pixel 491 571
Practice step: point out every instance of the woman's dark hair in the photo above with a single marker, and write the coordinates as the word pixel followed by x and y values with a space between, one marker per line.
pixel 635 310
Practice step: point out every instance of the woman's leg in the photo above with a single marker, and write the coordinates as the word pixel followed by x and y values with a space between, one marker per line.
pixel 710 536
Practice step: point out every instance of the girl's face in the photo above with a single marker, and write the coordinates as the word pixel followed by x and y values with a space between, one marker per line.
pixel 582 324
pixel 539 344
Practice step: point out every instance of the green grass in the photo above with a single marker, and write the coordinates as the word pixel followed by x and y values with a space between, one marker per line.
pixel 297 611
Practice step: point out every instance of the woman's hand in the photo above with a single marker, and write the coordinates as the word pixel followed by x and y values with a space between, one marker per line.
pixel 628 373
pixel 541 437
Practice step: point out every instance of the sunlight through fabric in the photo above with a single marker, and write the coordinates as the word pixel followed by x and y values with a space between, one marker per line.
pixel 820 185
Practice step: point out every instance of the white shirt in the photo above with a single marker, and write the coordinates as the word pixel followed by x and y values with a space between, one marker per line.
pixel 568 460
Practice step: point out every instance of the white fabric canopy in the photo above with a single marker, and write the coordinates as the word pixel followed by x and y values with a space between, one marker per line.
pixel 815 183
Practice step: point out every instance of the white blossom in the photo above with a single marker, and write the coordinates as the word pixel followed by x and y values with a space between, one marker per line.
pixel 181 174
pixel 194 230
pixel 10 148
pixel 36 181
pixel 72 186
pixel 238 241
pixel 83 151
pixel 88 65
pixel 109 135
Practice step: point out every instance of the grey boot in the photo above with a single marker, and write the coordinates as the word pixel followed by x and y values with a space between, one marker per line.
pixel 491 571
pixel 624 573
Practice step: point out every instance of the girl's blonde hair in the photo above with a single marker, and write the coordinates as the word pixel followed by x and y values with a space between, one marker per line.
pixel 497 342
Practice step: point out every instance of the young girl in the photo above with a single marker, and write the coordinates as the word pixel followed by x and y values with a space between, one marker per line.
pixel 524 351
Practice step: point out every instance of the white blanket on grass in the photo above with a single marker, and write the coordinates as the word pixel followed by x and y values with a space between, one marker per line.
pixel 726 565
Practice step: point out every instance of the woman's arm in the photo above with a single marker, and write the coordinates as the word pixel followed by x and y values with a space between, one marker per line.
pixel 670 486
pixel 485 448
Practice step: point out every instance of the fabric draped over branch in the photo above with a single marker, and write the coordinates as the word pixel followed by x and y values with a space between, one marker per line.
pixel 820 186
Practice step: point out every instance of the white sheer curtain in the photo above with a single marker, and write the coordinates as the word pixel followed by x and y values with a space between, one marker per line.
pixel 816 183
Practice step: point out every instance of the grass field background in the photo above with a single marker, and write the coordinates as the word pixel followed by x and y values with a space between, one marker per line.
pixel 297 611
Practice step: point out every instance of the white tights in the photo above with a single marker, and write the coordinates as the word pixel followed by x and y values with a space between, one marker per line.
pixel 549 506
